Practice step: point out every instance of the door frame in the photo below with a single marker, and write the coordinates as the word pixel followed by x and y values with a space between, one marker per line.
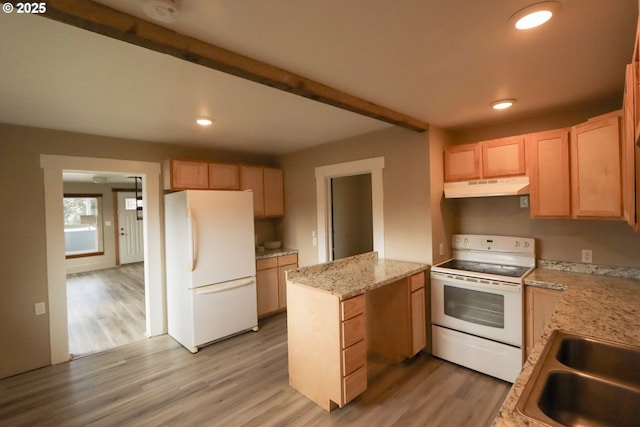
pixel 324 174
pixel 155 304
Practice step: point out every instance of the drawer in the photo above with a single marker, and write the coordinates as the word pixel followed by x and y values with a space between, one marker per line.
pixel 354 357
pixel 352 307
pixel 353 330
pixel 265 263
pixel 416 281
pixel 288 259
pixel 354 384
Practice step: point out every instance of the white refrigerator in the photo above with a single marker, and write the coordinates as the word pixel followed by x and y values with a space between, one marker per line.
pixel 210 265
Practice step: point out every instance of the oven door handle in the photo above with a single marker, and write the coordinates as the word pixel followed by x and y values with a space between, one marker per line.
pixel 476 283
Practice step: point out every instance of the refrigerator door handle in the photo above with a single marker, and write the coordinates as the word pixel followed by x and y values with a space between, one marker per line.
pixel 225 286
pixel 193 255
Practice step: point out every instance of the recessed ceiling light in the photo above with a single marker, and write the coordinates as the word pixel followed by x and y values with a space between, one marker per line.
pixel 534 15
pixel 204 121
pixel 502 104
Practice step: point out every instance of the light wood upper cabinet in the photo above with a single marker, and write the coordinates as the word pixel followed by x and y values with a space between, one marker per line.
pixel 251 178
pixel 273 192
pixel 550 186
pixel 267 185
pixel 462 162
pixel 503 157
pixel 488 159
pixel 595 165
pixel 185 174
pixel 224 176
pixel 540 305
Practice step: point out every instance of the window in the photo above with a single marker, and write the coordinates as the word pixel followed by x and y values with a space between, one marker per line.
pixel 82 225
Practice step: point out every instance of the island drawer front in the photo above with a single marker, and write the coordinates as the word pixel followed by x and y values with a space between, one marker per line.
pixel 354 357
pixel 265 263
pixel 416 281
pixel 352 307
pixel 355 383
pixel 353 330
pixel 287 259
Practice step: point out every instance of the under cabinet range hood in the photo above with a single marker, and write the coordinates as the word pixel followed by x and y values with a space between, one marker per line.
pixel 487 187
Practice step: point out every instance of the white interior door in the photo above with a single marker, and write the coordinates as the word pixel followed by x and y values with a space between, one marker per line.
pixel 131 244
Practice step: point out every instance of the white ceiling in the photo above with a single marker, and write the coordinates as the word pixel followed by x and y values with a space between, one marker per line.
pixel 440 61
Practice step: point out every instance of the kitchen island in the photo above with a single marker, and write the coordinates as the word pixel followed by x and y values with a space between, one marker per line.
pixel 594 305
pixel 339 311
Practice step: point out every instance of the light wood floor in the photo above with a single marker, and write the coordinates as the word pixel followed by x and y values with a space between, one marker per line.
pixel 242 381
pixel 105 309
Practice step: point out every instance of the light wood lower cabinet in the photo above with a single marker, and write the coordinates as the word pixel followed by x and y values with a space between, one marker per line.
pixel 418 313
pixel 540 304
pixel 271 285
pixel 328 339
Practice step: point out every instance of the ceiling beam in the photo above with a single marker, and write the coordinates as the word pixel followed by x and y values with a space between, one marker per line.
pixel 103 20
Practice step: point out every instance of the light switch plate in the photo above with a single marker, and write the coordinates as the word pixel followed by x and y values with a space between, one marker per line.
pixel 587 256
pixel 40 308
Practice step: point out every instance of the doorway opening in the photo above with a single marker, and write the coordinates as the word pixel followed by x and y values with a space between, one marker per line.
pixel 53 167
pixel 372 167
pixel 104 261
pixel 351 216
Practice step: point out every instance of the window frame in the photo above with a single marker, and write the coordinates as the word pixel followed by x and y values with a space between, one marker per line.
pixel 99 227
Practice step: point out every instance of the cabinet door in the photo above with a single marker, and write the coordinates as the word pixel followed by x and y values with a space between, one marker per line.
pixel 462 162
pixel 188 175
pixel 224 176
pixel 503 157
pixel 251 178
pixel 549 166
pixel 418 321
pixel 628 151
pixel 273 192
pixel 540 305
pixel 267 289
pixel 286 262
pixel 595 167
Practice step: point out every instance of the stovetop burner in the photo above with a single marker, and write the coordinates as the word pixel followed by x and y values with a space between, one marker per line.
pixel 486 268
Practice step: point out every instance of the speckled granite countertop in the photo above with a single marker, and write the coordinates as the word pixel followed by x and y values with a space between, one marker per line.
pixel 594 305
pixel 270 253
pixel 355 275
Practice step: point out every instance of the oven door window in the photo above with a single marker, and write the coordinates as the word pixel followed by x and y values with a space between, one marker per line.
pixel 481 308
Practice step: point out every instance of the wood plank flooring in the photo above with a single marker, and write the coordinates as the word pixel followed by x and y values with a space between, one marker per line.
pixel 241 381
pixel 105 309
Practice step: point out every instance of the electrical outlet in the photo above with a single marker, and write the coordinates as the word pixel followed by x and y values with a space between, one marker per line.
pixel 587 256
pixel 40 308
pixel 524 201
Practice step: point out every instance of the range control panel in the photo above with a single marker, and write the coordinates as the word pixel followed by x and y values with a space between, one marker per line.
pixel 480 242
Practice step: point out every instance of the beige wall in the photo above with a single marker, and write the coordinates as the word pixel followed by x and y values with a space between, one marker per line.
pixel 407 227
pixel 24 337
pixel 612 242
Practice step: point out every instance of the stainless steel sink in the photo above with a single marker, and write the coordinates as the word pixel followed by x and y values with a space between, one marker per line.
pixel 582 381
pixel 619 363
